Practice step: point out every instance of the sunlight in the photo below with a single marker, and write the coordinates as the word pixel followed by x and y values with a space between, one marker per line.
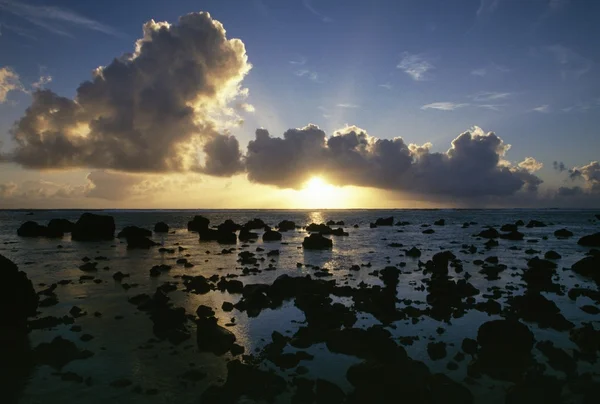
pixel 317 193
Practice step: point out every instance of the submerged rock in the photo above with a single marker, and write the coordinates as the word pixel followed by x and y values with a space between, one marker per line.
pixel 535 223
pixel 92 227
pixel 140 242
pixel 134 232
pixel 58 353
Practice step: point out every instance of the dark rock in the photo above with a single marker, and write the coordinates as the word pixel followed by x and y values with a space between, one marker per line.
pixel 592 240
pixel 586 338
pixel 212 337
pixel 18 299
pixel 489 233
pixel 537 389
pixel 428 231
pixel 246 235
pixel 229 226
pixel 534 307
pixel 255 224
pixel 198 224
pixel 140 242
pixel 58 353
pixel 552 255
pixel 436 350
pixel 563 233
pixel 89 266
pixel 32 229
pixel 204 311
pixel 222 237
pixel 271 235
pixel 513 236
pixel 589 309
pixel 520 223
pixel 588 267
pixel 318 228
pixel 328 393
pixel 535 223
pixel 161 227
pixel 317 242
pixel 194 375
pixel 156 270
pixel 286 225
pixel 227 306
pixel 413 252
pixel 60 226
pixel 121 383
pixel 92 227
pixel 558 359
pixel 510 227
pixel 245 380
pixel 134 232
pixel 231 286
pixel 388 221
pixel 197 284
pixel 469 346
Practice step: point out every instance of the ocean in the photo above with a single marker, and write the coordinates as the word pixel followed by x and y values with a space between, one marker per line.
pixel 125 348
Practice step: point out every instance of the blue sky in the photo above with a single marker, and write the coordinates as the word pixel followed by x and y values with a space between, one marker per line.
pixel 424 70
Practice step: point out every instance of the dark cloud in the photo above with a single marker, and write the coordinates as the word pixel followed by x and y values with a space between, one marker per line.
pixel 150 111
pixel 223 156
pixel 473 166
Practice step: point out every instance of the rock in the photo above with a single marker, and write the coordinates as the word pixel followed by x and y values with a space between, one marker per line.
pixel 227 306
pixel 428 231
pixel 271 235
pixel 520 223
pixel 328 393
pixel 32 229
pixel 592 240
pixel 563 233
pixel 141 242
pixel 469 346
pixel 389 221
pixel 589 309
pixel 440 222
pixel 18 299
pixel 535 223
pixel 60 226
pixel 558 359
pixel 505 348
pixel 588 267
pixel 246 235
pixel 156 270
pixel 586 338
pixel 552 255
pixel 318 228
pixel 339 232
pixel 92 227
pixel 489 233
pixel 161 227
pixel 198 224
pixel 89 266
pixel 197 284
pixel 255 224
pixel 286 225
pixel 221 237
pixel 513 236
pixel 536 389
pixel 212 337
pixel 317 242
pixel 121 383
pixel 204 311
pixel 510 227
pixel 413 252
pixel 436 350
pixel 134 232
pixel 534 307
pixel 245 380
pixel 229 226
pixel 58 353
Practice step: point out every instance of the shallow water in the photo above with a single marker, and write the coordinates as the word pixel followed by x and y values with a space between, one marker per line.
pixel 119 344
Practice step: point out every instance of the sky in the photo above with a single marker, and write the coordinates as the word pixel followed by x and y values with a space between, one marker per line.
pixel 299 104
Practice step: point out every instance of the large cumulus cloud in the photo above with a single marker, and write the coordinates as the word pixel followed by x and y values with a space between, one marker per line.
pixel 474 165
pixel 148 111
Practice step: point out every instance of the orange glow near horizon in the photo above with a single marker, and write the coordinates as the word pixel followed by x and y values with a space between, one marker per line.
pixel 317 193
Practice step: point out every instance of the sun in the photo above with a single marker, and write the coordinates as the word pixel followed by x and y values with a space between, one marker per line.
pixel 317 193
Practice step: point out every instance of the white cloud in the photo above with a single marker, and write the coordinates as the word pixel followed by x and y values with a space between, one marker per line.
pixel 479 72
pixel 387 86
pixel 544 109
pixel 345 105
pixel 416 66
pixel 530 164
pixel 313 76
pixel 444 106
pixel 9 81
pixel 308 5
pixel 54 19
pixel 42 81
pixel 572 64
pixel 489 96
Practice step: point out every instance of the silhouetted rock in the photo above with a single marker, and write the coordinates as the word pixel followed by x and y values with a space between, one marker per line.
pixel 255 224
pixel 469 346
pixel 246 235
pixel 563 233
pixel 212 337
pixel 318 228
pixel 388 221
pixel 587 338
pixel 271 235
pixel 536 389
pixel 134 231
pixel 229 226
pixel 534 307
pixel 198 224
pixel 489 233
pixel 198 284
pixel 222 237
pixel 140 242
pixel 204 311
pixel 558 359
pixel 60 226
pixel 245 380
pixel 535 223
pixel 552 255
pixel 505 348
pixel 18 299
pixel 58 353
pixel 161 227
pixel 509 227
pixel 317 242
pixel 286 225
pixel 436 350
pixel 413 252
pixel 92 227
pixel 440 222
pixel 513 235
pixel 119 276
pixel 32 229
pixel 589 267
pixel 592 240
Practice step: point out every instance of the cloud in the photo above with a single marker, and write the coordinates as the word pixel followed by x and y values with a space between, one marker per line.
pixel 530 164
pixel 150 111
pixel 387 86
pixel 485 96
pixel 308 5
pixel 487 7
pixel 346 105
pixel 313 76
pixel 416 66
pixel 479 72
pixel 300 62
pixel 472 167
pixel 9 81
pixel 444 106
pixel 54 19
pixel 223 156
pixel 544 109
pixel 42 81
pixel 590 174
pixel 572 64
